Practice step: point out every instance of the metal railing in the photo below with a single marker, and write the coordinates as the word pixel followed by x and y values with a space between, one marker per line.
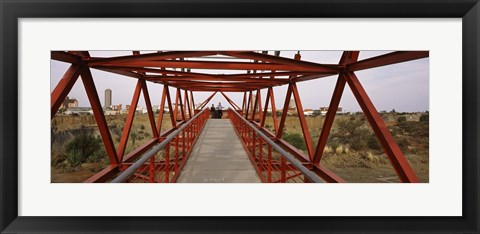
pixel 272 163
pixel 164 161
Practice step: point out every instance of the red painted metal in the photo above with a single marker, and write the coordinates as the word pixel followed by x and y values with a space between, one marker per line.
pixel 65 57
pixel 187 104
pixel 244 102
pixel 248 104
pixel 283 71
pixel 149 57
pixel 303 121
pixel 395 155
pixel 234 105
pixel 104 175
pixel 99 116
pixel 267 170
pixel 63 87
pixel 347 57
pixel 170 108
pixel 301 65
pixel 148 103
pixel 161 110
pixel 222 65
pixel 255 106
pixel 205 102
pixel 284 112
pixel 387 59
pixel 192 101
pixel 166 165
pixel 128 122
pixel 175 110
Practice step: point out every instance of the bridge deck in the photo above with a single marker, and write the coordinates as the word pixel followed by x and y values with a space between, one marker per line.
pixel 218 157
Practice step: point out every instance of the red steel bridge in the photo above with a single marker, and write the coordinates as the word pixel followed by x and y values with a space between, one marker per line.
pixel 163 158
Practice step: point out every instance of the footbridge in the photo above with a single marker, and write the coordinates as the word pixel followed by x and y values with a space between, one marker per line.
pixel 237 148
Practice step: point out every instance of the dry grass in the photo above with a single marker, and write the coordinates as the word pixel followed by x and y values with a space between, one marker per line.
pixel 355 166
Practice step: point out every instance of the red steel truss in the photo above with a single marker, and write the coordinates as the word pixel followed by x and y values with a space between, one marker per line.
pixel 263 72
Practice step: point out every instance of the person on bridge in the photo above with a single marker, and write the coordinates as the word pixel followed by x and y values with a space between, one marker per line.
pixel 212 111
pixel 219 110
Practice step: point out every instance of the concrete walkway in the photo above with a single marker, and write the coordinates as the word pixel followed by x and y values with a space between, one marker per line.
pixel 218 157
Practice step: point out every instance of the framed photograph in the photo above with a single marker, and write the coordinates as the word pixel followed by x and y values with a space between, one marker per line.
pixel 223 116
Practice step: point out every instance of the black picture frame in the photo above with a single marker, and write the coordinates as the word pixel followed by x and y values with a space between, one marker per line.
pixel 11 11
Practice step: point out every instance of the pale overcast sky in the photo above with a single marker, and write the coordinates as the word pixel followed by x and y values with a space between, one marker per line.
pixel 403 87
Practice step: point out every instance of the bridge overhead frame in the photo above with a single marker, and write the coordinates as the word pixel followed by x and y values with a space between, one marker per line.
pixel 173 69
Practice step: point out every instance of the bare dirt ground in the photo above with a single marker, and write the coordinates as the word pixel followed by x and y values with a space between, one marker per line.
pixel 59 175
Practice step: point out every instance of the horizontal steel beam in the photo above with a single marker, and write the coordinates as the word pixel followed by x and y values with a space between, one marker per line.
pixel 214 78
pixel 64 57
pixel 215 65
pixel 286 61
pixel 121 72
pixel 150 56
pixel 153 70
pixel 387 59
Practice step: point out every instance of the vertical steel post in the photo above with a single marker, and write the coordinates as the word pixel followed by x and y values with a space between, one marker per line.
pixel 284 113
pixel 152 170
pixel 269 173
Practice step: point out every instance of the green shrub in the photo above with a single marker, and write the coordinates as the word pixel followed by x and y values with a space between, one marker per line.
pixel 353 133
pixel 333 144
pixel 75 157
pixel 373 143
pixel 97 156
pixel 296 140
pixel 424 118
pixel 358 140
pixel 403 143
pixel 402 119
pixel 80 148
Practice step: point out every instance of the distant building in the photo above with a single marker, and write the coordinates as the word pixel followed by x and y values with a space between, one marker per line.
pixel 308 112
pixel 324 110
pixel 141 110
pixel 108 98
pixel 116 107
pixel 111 112
pixel 79 111
pixel 69 103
